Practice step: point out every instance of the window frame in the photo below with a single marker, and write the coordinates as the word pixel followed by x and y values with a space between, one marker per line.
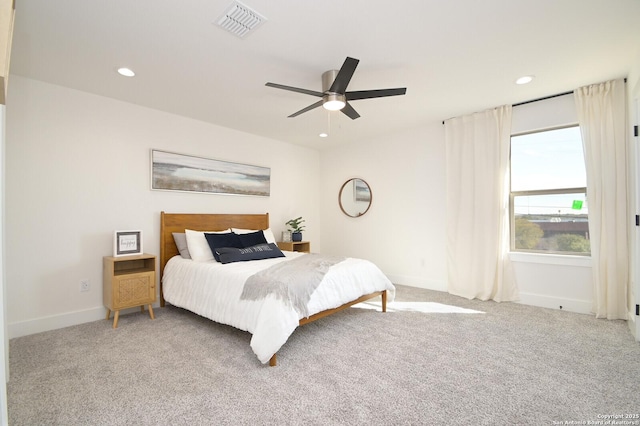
pixel 534 192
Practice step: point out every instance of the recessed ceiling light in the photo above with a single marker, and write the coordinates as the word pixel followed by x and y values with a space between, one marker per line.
pixel 126 72
pixel 323 135
pixel 525 79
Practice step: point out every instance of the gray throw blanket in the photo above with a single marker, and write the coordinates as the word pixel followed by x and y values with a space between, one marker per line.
pixel 292 281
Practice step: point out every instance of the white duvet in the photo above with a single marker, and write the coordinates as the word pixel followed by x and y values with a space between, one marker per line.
pixel 213 290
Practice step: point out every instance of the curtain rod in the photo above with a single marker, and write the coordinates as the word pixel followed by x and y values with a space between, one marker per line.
pixel 542 99
pixel 536 100
pixel 548 97
pixel 545 98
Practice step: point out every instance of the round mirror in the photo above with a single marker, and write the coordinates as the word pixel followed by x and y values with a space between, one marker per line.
pixel 355 197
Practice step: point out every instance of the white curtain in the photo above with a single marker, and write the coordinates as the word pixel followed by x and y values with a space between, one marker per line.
pixel 602 118
pixel 477 164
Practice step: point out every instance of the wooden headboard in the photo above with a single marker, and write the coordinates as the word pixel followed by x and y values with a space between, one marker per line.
pixel 178 222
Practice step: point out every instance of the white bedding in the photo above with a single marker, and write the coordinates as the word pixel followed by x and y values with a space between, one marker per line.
pixel 213 290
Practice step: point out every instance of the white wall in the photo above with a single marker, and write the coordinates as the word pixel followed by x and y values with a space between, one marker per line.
pixel 403 231
pixel 77 169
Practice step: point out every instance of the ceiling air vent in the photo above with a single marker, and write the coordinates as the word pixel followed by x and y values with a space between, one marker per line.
pixel 240 20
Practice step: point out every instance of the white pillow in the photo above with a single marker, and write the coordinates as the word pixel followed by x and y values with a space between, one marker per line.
pixel 198 246
pixel 268 234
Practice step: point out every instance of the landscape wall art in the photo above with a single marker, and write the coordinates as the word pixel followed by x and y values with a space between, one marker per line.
pixel 178 172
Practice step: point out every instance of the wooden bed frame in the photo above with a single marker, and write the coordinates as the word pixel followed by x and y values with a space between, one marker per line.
pixel 178 222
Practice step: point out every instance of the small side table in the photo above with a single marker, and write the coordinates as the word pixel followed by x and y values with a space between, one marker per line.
pixel 301 246
pixel 128 281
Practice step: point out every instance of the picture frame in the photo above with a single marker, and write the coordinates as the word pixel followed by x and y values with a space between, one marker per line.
pixel 286 236
pixel 127 243
pixel 171 171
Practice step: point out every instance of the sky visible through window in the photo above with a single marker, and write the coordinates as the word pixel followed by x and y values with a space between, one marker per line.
pixel 548 160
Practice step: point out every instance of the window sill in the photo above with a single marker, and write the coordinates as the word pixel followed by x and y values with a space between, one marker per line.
pixel 551 259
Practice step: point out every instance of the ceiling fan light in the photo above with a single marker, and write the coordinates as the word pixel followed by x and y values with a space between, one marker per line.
pixel 333 105
pixel 334 102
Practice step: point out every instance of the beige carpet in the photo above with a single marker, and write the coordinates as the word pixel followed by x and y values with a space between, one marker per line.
pixel 508 364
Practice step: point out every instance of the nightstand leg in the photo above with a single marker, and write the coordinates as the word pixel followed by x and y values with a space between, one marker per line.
pixel 108 313
pixel 151 312
pixel 141 308
pixel 115 319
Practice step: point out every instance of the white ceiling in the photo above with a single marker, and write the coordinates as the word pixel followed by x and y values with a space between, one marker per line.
pixel 455 57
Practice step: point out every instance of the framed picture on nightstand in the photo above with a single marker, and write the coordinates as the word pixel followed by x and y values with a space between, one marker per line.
pixel 286 236
pixel 127 243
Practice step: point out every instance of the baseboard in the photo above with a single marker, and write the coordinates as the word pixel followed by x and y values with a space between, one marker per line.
pixel 438 285
pixel 54 322
pixel 571 305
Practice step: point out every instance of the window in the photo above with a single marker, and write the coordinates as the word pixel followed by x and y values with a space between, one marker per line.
pixel 549 212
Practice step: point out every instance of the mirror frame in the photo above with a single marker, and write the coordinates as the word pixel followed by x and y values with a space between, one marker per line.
pixel 349 181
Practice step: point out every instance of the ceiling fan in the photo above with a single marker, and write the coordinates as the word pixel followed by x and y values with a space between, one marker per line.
pixel 334 91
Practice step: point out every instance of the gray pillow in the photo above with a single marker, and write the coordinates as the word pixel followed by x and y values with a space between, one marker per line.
pixel 181 242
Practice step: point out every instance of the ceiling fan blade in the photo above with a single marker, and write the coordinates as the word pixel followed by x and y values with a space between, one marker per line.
pixel 309 108
pixel 350 112
pixel 344 76
pixel 368 94
pixel 296 89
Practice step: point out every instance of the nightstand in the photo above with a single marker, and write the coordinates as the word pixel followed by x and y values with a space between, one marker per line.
pixel 128 281
pixel 301 246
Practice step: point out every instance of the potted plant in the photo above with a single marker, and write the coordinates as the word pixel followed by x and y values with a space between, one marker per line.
pixel 296 227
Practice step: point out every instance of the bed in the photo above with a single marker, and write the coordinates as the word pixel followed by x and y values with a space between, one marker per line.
pixel 213 290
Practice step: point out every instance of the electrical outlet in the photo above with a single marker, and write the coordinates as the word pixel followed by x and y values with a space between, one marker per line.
pixel 85 285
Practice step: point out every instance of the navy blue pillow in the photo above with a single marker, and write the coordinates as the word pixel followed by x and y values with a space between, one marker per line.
pixel 260 251
pixel 252 239
pixel 216 241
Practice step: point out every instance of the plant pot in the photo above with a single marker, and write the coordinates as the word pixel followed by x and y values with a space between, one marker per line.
pixel 296 236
